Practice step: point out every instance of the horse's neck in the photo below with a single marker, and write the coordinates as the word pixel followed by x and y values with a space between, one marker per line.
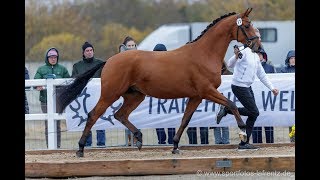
pixel 216 41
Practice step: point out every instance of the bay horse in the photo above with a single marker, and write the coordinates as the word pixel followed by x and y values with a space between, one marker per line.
pixel 192 70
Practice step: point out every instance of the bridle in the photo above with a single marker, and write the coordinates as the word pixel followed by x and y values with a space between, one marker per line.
pixel 240 26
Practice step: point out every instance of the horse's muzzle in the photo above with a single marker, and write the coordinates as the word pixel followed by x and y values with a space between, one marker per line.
pixel 255 47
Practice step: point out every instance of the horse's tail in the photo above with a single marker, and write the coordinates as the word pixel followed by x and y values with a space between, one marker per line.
pixel 66 94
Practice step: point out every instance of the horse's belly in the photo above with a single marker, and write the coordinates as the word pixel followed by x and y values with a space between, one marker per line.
pixel 167 90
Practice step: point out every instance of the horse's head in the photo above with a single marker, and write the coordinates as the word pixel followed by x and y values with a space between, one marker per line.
pixel 246 33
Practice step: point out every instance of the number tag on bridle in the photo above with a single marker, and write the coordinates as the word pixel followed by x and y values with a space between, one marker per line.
pixel 239 21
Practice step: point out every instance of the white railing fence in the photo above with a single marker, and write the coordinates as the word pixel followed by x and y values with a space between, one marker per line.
pixel 51 116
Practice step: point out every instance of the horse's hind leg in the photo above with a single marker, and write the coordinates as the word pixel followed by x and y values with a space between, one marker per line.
pixel 93 116
pixel 217 97
pixel 130 102
pixel 192 105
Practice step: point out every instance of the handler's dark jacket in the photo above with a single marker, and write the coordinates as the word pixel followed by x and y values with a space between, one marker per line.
pixel 86 64
pixel 42 72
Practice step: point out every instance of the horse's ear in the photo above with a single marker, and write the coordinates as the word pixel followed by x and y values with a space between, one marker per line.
pixel 248 11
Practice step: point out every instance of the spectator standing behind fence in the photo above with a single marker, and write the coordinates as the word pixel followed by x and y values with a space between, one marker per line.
pixel 128 44
pixel 257 131
pixel 192 135
pixel 221 134
pixel 290 67
pixel 26 105
pixel 87 62
pixel 161 133
pixel 246 67
pixel 51 67
pixel 290 63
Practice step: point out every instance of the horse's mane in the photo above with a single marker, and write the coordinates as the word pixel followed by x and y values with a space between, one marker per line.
pixel 210 25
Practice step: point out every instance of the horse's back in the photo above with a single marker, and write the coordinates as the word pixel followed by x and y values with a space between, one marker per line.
pixel 139 61
pixel 162 74
pixel 155 73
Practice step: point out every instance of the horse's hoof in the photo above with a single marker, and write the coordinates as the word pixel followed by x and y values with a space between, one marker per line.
pixel 139 144
pixel 79 153
pixel 176 151
pixel 243 136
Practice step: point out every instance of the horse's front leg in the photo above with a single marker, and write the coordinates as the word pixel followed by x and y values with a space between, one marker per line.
pixel 217 97
pixel 242 126
pixel 192 105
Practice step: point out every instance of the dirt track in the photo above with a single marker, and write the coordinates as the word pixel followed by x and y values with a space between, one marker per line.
pixel 149 153
pixel 241 176
pixel 165 153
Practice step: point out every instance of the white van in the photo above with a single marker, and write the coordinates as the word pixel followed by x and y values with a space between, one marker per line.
pixel 278 37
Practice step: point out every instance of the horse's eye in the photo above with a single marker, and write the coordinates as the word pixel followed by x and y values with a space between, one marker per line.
pixel 248 25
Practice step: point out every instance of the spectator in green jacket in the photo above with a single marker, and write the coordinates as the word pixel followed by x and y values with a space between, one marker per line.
pixel 51 67
pixel 87 62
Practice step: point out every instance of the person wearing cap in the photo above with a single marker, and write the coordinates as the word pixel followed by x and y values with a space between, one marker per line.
pixel 161 133
pixel 87 62
pixel 257 131
pixel 290 63
pixel 50 67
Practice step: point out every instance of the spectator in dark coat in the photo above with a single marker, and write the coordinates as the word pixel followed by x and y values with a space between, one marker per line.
pixel 161 133
pixel 268 68
pixel 290 63
pixel 257 131
pixel 87 62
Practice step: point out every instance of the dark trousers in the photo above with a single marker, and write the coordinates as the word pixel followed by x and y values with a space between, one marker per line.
pixel 101 138
pixel 246 97
pixel 257 134
pixel 161 134
pixel 192 135
pixel 58 130
pixel 26 105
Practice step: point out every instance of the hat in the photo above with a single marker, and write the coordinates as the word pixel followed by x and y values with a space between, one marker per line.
pixel 290 54
pixel 160 47
pixel 264 54
pixel 52 52
pixel 86 45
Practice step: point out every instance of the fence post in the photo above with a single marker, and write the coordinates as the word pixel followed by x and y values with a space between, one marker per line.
pixel 52 123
